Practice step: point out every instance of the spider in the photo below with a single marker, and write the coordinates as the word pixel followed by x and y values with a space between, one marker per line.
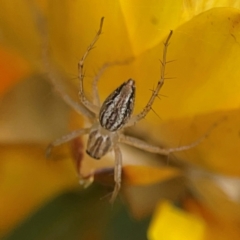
pixel 110 119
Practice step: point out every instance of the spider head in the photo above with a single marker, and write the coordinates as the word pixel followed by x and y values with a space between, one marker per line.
pixel 118 107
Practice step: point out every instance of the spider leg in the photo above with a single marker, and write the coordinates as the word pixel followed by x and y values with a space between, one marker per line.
pixel 41 25
pixel 148 107
pixel 117 173
pixel 92 107
pixel 66 138
pixel 101 71
pixel 81 109
pixel 155 149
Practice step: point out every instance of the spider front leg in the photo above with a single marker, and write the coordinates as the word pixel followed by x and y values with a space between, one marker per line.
pixel 92 107
pixel 117 173
pixel 148 107
pixel 66 138
pixel 101 71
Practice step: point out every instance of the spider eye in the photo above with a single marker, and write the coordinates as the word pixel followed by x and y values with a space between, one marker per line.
pixel 118 107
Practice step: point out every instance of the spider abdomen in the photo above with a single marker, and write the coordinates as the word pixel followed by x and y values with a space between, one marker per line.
pixel 100 142
pixel 118 107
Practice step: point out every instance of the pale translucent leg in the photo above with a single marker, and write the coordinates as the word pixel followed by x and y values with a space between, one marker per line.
pixel 135 142
pixel 96 99
pixel 92 107
pixel 155 93
pixel 41 25
pixel 155 149
pixel 81 109
pixel 66 138
pixel 117 173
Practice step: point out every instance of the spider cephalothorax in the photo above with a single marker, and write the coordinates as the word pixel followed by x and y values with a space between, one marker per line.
pixel 117 109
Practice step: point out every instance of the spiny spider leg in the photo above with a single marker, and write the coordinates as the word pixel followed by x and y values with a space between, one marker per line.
pixel 155 93
pixel 66 138
pixel 92 107
pixel 53 77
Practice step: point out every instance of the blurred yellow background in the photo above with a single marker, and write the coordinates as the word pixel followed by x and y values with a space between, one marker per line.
pixel 41 199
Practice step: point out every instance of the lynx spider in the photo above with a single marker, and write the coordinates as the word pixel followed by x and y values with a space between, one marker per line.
pixel 112 117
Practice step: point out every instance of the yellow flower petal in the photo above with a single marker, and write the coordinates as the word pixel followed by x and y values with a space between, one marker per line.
pixel 216 227
pixel 171 223
pixel 145 175
pixel 27 180
pixel 219 152
pixel 206 53
pixel 148 22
